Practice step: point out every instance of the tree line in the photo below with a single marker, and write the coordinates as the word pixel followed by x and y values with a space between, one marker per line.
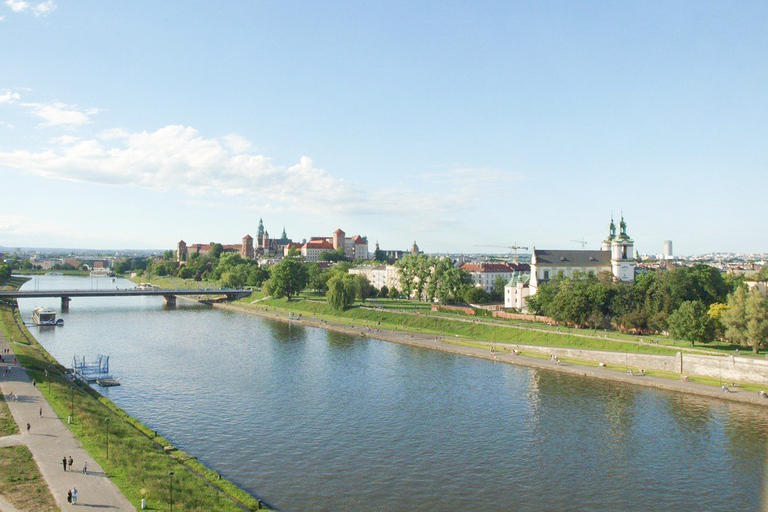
pixel 691 303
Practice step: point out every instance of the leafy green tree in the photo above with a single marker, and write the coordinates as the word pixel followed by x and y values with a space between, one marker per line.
pixel 757 320
pixel 498 289
pixel 337 255
pixel 363 288
pixel 169 255
pixel 447 282
pixel 691 322
pixel 216 250
pixel 472 294
pixel 384 292
pixel 715 313
pixel 341 291
pixel 763 274
pixel 287 278
pixel 5 272
pixel 734 317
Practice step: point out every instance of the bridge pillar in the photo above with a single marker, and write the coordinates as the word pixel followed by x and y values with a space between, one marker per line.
pixel 170 300
pixel 65 304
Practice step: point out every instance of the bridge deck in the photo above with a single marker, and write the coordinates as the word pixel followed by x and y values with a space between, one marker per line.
pixel 231 292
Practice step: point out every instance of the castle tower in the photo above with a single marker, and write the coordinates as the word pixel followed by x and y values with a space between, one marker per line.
pixel 414 248
pixel 265 241
pixel 181 251
pixel 622 254
pixel 246 250
pixel 260 234
pixel 338 239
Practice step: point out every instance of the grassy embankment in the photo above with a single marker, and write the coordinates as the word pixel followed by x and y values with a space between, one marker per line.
pixel 138 462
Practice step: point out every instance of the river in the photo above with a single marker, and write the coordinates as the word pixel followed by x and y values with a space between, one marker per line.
pixel 312 420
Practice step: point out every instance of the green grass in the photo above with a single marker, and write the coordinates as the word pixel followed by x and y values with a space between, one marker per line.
pixel 436 325
pixel 137 462
pixel 21 482
pixel 8 425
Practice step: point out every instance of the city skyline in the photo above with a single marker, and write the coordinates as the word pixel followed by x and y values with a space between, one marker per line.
pixel 454 125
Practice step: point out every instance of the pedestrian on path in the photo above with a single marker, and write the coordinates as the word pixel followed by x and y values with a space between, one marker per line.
pixel 64 463
pixel 28 427
pixel 41 411
pixel 74 495
pixel 70 462
pixel 69 496
pixel 85 468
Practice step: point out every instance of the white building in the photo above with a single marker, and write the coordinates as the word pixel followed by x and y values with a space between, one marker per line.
pixel 616 257
pixel 379 276
pixel 517 291
pixel 668 250
pixel 484 275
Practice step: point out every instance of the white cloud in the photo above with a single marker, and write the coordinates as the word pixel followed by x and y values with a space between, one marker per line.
pixel 44 8
pixel 177 158
pixel 9 97
pixel 17 5
pixel 57 114
pixel 64 140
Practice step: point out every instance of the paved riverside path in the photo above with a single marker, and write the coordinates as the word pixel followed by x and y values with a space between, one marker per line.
pixel 49 440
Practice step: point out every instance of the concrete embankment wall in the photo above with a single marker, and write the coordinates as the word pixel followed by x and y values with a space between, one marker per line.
pixel 731 368
pixel 740 369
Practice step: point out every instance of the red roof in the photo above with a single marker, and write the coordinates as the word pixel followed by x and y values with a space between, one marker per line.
pixel 487 267
pixel 358 239
pixel 339 231
pixel 318 244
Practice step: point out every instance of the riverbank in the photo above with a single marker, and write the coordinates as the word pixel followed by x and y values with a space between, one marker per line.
pixel 505 352
pixel 140 462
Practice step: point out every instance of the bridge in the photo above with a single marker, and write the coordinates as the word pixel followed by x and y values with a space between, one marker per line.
pixel 169 294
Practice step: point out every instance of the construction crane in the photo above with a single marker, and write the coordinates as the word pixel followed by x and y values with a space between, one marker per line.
pixel 582 242
pixel 514 247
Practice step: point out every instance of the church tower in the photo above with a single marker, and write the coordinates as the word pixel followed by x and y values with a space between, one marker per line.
pixel 622 253
pixel 611 236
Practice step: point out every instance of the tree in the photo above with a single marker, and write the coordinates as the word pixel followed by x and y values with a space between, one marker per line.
pixel 5 272
pixel 288 278
pixel 216 250
pixel 757 320
pixel 363 288
pixel 690 322
pixel 497 293
pixel 168 255
pixel 715 313
pixel 341 291
pixel 447 282
pixel 734 317
pixel 337 255
pixel 472 294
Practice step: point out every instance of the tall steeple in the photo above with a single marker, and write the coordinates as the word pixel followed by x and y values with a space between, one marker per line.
pixel 284 237
pixel 260 234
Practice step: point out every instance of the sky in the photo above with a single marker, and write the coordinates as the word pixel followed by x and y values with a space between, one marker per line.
pixel 460 125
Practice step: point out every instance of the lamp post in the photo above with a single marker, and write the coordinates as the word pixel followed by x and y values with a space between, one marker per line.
pixel 170 485
pixel 71 402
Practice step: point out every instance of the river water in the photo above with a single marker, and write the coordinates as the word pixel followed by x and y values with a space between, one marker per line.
pixel 314 420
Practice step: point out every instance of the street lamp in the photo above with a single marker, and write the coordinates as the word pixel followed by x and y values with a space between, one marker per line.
pixel 170 484
pixel 71 402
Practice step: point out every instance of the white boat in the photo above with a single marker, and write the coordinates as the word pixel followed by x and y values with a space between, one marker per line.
pixel 45 316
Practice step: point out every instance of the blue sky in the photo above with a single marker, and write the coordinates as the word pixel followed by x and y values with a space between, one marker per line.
pixel 455 124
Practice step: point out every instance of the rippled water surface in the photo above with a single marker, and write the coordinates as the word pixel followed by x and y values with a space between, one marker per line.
pixel 314 420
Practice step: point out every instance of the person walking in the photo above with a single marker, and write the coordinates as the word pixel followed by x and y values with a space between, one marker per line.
pixel 70 462
pixel 41 411
pixel 64 463
pixel 85 468
pixel 74 495
pixel 28 427
pixel 69 496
